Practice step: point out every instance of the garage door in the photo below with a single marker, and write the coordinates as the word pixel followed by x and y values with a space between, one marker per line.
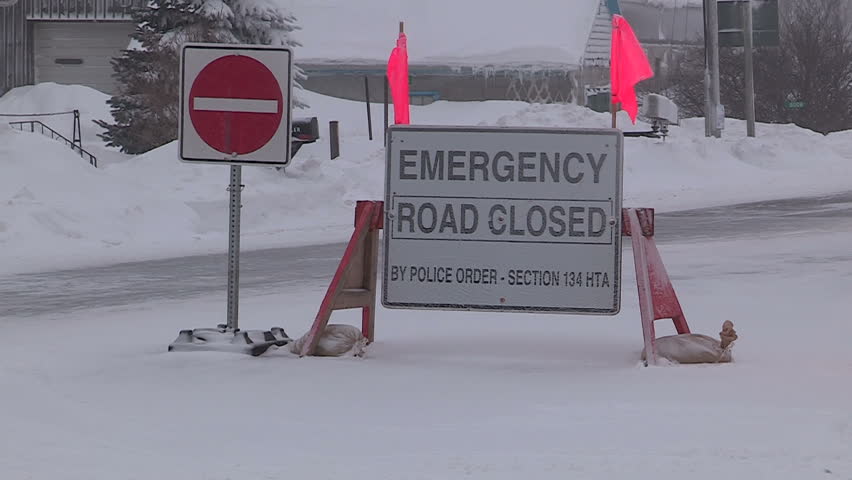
pixel 79 53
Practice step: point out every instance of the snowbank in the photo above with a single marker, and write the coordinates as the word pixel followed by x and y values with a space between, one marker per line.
pixel 57 211
pixel 54 98
pixel 54 206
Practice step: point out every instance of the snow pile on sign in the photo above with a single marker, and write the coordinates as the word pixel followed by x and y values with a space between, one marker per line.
pixel 52 201
pixel 445 32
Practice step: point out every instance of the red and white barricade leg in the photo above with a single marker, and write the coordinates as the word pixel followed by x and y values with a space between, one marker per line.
pixel 657 297
pixel 354 283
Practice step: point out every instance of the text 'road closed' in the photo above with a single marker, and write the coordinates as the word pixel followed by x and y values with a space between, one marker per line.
pixel 502 220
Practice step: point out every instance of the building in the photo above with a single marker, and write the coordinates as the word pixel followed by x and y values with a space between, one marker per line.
pixel 458 50
pixel 565 58
pixel 543 51
pixel 63 41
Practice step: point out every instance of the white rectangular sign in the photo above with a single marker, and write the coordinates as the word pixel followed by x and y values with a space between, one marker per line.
pixel 235 104
pixel 514 219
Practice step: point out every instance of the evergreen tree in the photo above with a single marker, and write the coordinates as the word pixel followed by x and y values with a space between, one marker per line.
pixel 146 109
pixel 263 22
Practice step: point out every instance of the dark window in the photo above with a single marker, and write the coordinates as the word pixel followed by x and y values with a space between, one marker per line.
pixel 68 61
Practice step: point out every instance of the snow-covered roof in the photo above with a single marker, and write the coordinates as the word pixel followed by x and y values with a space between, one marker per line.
pixel 478 33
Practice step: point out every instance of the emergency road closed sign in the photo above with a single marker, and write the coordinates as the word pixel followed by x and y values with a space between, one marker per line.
pixel 515 219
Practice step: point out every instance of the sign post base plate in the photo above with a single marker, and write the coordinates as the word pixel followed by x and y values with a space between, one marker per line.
pixel 223 339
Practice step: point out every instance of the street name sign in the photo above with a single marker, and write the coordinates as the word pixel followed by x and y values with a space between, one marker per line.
pixel 235 104
pixel 503 219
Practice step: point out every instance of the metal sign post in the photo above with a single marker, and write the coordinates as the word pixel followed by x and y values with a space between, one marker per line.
pixel 235 188
pixel 236 103
pixel 748 38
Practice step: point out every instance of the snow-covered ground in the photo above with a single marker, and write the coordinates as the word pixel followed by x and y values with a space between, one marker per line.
pixel 93 395
pixel 56 211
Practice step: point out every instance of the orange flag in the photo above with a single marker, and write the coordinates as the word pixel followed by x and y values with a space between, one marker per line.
pixel 629 66
pixel 398 80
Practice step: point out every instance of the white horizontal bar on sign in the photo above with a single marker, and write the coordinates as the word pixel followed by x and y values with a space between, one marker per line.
pixel 245 105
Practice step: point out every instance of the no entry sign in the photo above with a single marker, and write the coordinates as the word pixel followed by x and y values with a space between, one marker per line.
pixel 235 104
pixel 503 219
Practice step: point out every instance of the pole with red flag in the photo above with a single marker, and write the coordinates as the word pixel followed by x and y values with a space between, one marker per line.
pixel 628 66
pixel 398 78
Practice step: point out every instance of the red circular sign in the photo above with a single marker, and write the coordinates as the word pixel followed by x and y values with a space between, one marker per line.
pixel 236 104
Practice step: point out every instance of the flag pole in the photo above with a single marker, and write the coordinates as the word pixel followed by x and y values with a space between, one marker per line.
pixel 613 106
pixel 399 78
pixel 614 110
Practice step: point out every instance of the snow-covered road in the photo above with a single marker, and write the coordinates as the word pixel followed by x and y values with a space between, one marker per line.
pixel 288 269
pixel 93 394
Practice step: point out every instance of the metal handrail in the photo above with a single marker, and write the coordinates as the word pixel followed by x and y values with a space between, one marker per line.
pixel 36 114
pixel 53 134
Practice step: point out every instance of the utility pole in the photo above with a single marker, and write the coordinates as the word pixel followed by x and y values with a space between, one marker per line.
pixel 716 100
pixel 712 96
pixel 708 96
pixel 748 41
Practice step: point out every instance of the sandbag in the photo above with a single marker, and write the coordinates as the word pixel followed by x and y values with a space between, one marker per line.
pixel 336 341
pixel 695 348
